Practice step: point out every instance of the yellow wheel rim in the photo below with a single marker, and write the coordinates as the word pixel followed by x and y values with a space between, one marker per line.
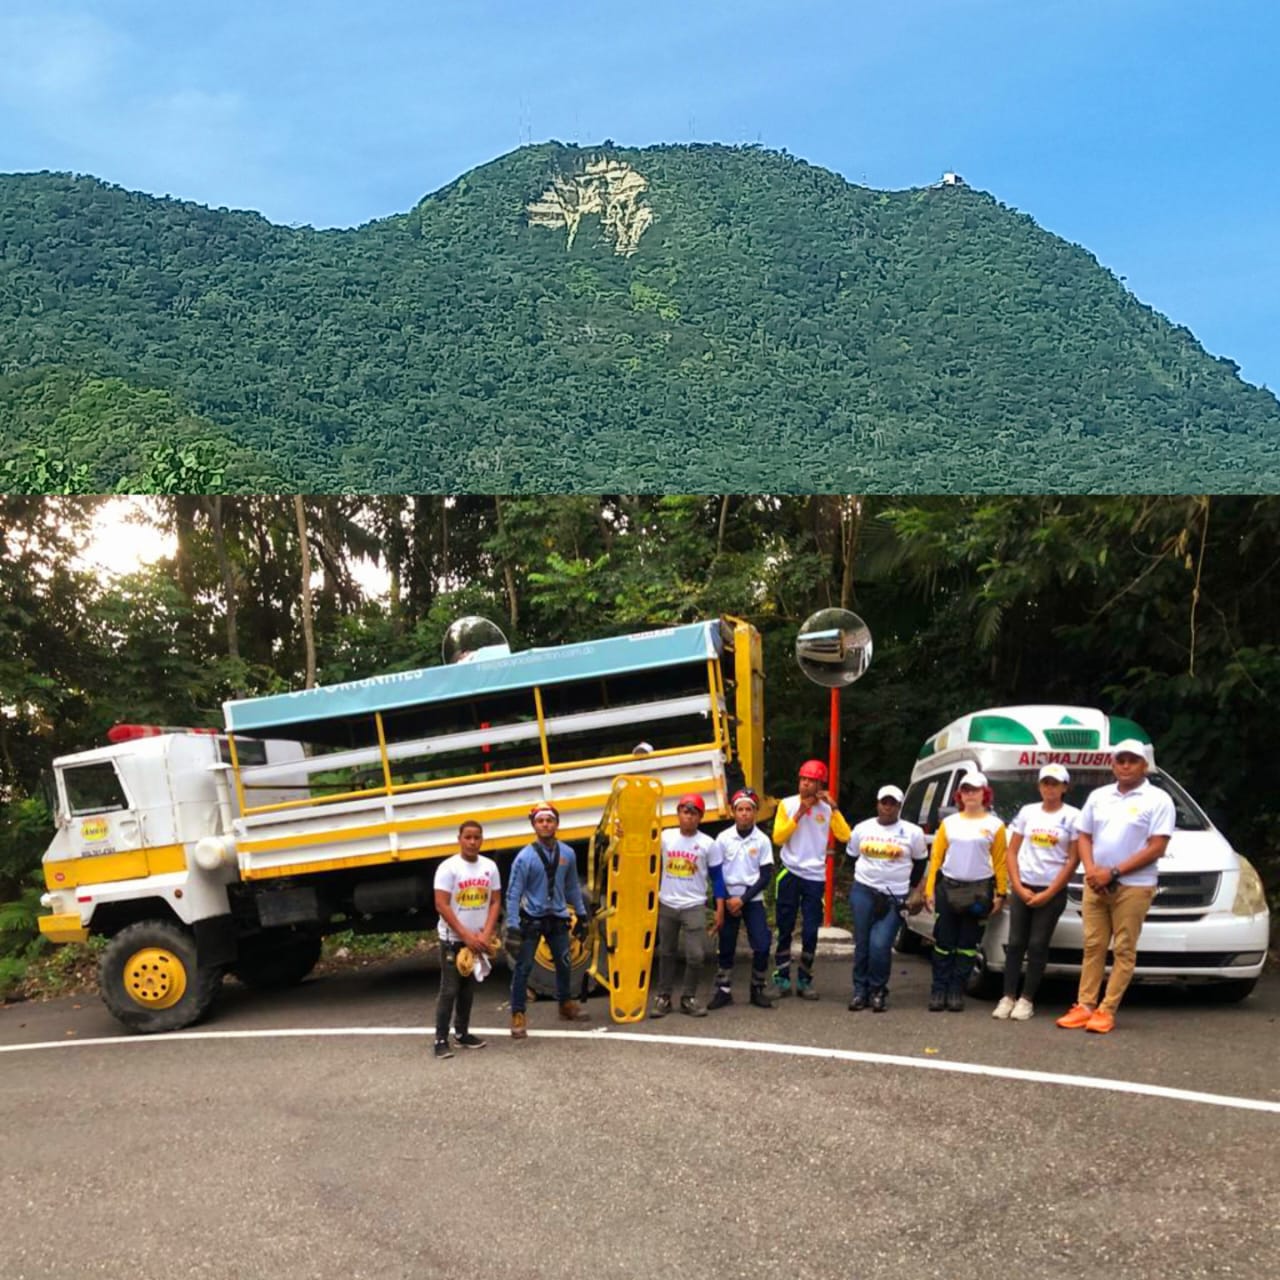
pixel 155 978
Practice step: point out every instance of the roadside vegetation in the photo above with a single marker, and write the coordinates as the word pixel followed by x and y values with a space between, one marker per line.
pixel 1161 609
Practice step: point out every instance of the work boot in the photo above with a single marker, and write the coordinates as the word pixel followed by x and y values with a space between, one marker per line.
pixel 937 1001
pixel 858 1003
pixel 720 997
pixel 782 981
pixel 879 1001
pixel 804 988
pixel 955 1001
pixel 519 1025
pixel 661 1007
pixel 571 1011
pixel 759 999
pixel 690 1005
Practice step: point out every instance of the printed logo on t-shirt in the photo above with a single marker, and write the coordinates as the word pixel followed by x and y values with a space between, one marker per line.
pixel 880 849
pixel 1042 839
pixel 682 865
pixel 472 893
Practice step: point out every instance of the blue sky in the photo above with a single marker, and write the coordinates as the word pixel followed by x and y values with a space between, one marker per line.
pixel 1145 130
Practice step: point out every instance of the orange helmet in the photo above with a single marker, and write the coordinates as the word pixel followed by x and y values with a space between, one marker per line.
pixel 814 769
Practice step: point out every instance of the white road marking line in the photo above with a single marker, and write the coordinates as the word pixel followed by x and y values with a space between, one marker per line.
pixel 605 1035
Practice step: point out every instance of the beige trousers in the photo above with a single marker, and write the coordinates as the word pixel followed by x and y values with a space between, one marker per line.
pixel 1116 914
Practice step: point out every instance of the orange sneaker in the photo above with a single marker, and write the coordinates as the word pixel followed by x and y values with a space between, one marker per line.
pixel 1079 1015
pixel 1101 1022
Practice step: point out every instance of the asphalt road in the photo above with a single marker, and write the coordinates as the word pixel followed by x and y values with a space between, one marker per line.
pixel 357 1155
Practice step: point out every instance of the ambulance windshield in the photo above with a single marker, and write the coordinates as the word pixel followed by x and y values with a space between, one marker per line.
pixel 1013 789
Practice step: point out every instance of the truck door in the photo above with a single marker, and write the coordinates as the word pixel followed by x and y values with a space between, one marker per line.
pixel 101 818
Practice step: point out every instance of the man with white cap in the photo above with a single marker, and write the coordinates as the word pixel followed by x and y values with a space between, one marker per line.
pixel 1042 857
pixel 544 883
pixel 1124 830
pixel 890 855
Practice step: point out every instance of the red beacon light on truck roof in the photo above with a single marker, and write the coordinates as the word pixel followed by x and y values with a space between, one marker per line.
pixel 130 732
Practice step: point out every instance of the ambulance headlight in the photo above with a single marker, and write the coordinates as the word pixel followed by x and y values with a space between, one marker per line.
pixel 1251 898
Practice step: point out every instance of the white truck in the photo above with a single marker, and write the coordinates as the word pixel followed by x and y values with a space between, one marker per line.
pixel 1208 923
pixel 201 852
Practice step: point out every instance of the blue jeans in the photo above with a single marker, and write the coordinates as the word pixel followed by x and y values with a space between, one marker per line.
pixel 797 895
pixel 873 938
pixel 556 931
pixel 758 935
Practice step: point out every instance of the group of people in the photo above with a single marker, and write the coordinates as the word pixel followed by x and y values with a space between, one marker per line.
pixel 971 870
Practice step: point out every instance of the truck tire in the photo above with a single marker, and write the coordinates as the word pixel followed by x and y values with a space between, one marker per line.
pixel 276 958
pixel 150 981
pixel 542 977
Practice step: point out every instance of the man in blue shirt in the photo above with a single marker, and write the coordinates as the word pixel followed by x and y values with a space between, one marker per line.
pixel 543 885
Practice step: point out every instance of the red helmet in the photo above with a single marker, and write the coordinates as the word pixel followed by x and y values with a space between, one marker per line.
pixel 544 806
pixel 693 799
pixel 745 794
pixel 814 769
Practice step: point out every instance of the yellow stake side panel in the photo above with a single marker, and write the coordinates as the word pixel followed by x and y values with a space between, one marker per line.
pixel 102 868
pixel 633 866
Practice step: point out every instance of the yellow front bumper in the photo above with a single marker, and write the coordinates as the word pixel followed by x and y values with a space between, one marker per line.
pixel 64 928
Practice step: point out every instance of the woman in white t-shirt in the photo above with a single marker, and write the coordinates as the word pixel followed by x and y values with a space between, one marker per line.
pixel 965 885
pixel 890 858
pixel 1041 857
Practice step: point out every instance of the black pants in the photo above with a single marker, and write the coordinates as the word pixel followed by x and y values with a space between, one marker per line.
pixel 956 936
pixel 456 994
pixel 1030 929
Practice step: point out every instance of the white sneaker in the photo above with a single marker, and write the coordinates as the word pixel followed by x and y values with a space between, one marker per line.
pixel 1003 1009
pixel 1022 1010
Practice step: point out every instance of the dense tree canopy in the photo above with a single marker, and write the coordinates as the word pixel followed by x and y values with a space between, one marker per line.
pixel 776 327
pixel 1162 609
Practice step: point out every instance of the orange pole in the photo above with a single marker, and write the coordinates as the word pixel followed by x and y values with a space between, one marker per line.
pixel 833 765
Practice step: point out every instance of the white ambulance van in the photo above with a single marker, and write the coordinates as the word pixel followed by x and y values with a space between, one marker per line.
pixel 1208 923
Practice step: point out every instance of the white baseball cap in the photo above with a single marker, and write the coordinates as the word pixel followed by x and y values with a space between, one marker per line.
pixel 890 792
pixel 973 779
pixel 1130 747
pixel 1058 772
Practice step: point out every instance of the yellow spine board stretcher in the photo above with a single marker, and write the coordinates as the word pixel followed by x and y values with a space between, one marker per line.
pixel 626 863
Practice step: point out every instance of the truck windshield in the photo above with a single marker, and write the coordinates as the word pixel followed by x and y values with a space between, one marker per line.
pixel 1014 789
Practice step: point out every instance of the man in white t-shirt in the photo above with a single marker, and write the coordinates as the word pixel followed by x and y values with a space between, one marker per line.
pixel 891 855
pixel 1122 833
pixel 682 907
pixel 468 891
pixel 803 826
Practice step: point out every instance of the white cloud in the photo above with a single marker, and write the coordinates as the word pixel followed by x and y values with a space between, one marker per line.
pixel 54 59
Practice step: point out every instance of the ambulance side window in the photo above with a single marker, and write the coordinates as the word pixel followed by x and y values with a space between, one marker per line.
pixel 926 797
pixel 94 788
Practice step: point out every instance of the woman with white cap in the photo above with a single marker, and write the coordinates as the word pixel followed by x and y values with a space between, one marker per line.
pixel 1041 857
pixel 966 884
pixel 889 855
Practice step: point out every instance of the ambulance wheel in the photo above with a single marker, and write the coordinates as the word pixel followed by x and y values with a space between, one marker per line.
pixel 542 977
pixel 982 983
pixel 909 942
pixel 1231 991
pixel 150 981
pixel 276 958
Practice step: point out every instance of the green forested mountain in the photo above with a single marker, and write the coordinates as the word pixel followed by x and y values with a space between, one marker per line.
pixel 697 318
